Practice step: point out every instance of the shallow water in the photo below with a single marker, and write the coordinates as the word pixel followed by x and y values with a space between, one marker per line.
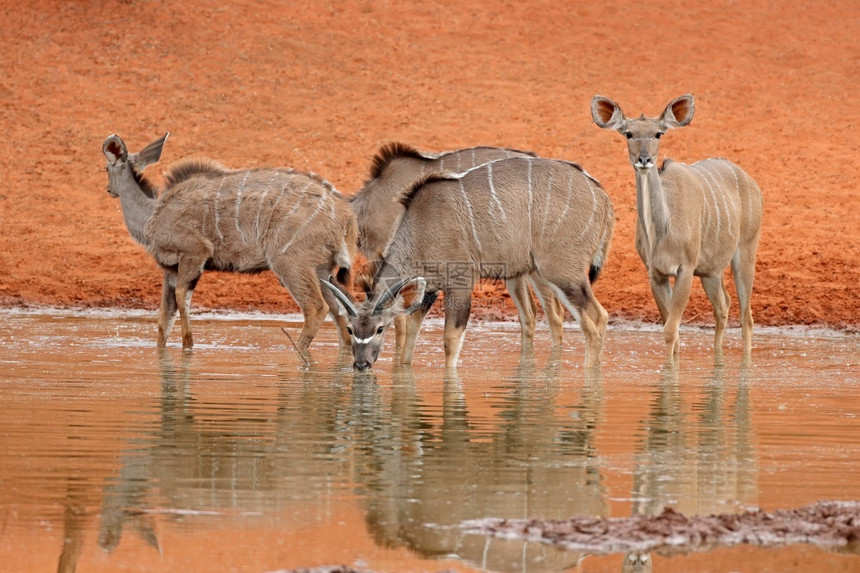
pixel 236 456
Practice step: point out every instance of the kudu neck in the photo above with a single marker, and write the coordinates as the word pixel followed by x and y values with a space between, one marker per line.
pixel 651 205
pixel 137 208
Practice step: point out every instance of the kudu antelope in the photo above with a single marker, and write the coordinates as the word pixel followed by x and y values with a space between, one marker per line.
pixel 213 218
pixel 503 219
pixel 396 168
pixel 692 220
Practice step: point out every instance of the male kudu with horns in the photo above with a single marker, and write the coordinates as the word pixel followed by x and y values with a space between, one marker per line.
pixel 395 169
pixel 247 221
pixel 692 220
pixel 503 219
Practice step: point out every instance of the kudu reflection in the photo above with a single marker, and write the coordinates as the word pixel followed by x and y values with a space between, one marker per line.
pixel 697 465
pixel 198 462
pixel 425 470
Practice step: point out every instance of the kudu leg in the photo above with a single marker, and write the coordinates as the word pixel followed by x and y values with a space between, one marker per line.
pixel 303 285
pixel 400 326
pixel 552 307
pixel 526 307
pixel 716 291
pixel 680 296
pixel 167 310
pixel 187 275
pixel 412 326
pixel 458 306
pixel 743 273
pixel 582 304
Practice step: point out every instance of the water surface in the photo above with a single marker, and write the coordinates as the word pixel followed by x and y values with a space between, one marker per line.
pixel 237 456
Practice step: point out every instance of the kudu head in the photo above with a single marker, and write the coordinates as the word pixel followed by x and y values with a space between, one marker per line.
pixel 369 320
pixel 643 134
pixel 123 167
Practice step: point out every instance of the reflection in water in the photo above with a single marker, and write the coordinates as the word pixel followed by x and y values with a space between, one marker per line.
pixel 697 467
pixel 422 479
pixel 107 444
pixel 201 459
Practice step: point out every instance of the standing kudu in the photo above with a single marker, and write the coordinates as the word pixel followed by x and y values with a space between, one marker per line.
pixel 503 219
pixel 247 221
pixel 395 169
pixel 692 220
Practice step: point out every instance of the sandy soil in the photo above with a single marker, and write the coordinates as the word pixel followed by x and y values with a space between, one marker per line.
pixel 320 86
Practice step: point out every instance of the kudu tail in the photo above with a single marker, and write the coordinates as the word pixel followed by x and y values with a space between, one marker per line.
pixel 599 258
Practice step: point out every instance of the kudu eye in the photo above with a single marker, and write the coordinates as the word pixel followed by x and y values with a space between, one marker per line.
pixel 658 135
pixel 380 329
pixel 628 135
pixel 349 330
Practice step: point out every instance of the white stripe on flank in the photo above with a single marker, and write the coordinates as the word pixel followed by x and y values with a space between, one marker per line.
pixel 593 210
pixel 697 170
pixel 442 163
pixel 493 194
pixel 263 202
pixel 531 195
pixel 239 205
pixel 458 161
pixel 471 216
pixel 567 203
pixel 548 204
pixel 303 226
pixel 217 193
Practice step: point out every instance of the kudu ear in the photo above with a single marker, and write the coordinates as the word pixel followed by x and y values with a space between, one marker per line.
pixel 151 153
pixel 345 305
pixel 410 296
pixel 114 149
pixel 679 112
pixel 606 113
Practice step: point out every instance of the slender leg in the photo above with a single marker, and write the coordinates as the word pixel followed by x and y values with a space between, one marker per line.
pixel 526 307
pixel 188 273
pixel 413 325
pixel 552 307
pixel 716 291
pixel 400 326
pixel 580 301
pixel 457 310
pixel 303 285
pixel 661 288
pixel 743 272
pixel 167 311
pixel 680 297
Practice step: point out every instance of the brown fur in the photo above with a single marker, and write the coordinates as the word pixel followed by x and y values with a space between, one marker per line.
pixel 508 218
pixel 692 220
pixel 211 217
pixel 398 167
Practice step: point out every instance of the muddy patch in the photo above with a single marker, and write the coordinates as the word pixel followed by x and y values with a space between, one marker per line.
pixel 830 525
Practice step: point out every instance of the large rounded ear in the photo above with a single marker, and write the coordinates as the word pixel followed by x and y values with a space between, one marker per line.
pixel 679 112
pixel 606 113
pixel 114 149
pixel 151 153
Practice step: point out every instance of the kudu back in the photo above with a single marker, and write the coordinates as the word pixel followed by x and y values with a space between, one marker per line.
pixel 693 220
pixel 503 219
pixel 396 168
pixel 209 217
